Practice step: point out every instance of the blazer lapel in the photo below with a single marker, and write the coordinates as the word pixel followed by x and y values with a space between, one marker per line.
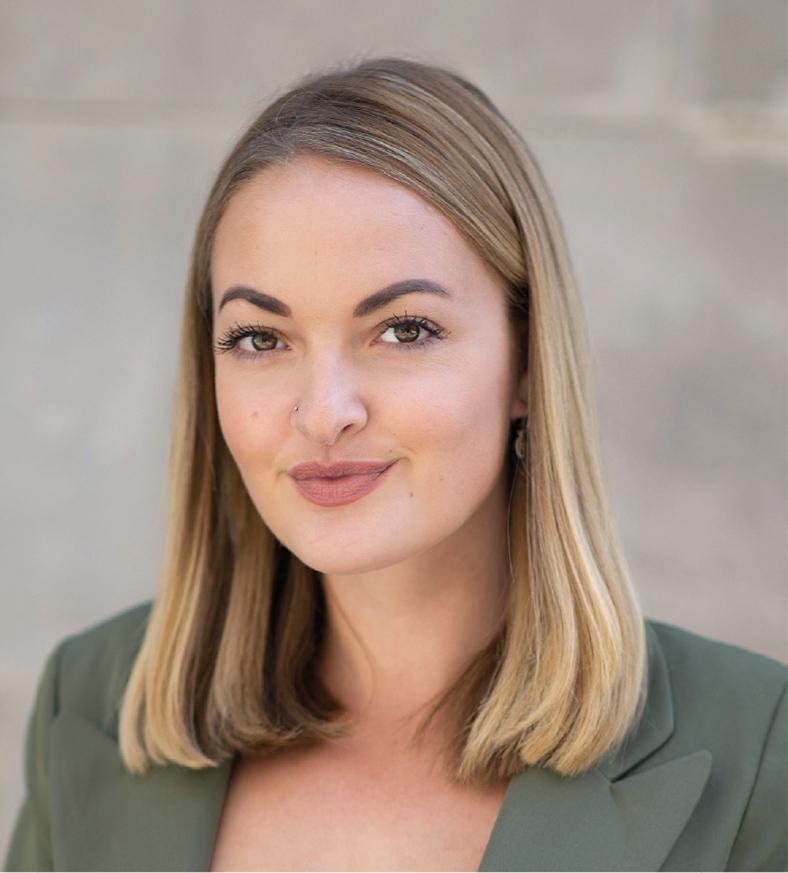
pixel 105 819
pixel 616 816
pixel 589 823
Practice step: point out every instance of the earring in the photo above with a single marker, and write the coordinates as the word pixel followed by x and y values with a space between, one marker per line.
pixel 519 443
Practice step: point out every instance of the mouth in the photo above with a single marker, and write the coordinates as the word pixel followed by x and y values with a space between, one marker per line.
pixel 340 490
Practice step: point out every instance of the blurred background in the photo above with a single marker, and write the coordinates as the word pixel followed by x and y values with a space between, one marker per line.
pixel 662 129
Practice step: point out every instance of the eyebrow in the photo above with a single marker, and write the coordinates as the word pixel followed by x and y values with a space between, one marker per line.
pixel 365 307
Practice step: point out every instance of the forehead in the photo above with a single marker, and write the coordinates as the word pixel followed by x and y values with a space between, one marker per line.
pixel 317 220
pixel 313 194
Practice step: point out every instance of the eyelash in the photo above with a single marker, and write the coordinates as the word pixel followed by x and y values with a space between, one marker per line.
pixel 230 340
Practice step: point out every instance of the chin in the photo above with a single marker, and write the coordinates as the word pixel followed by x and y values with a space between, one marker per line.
pixel 348 549
pixel 335 560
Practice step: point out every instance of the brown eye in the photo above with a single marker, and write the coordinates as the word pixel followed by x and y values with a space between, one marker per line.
pixel 257 334
pixel 259 346
pixel 407 332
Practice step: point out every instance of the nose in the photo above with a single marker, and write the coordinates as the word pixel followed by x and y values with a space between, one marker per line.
pixel 328 406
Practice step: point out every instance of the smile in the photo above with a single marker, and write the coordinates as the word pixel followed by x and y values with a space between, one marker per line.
pixel 339 491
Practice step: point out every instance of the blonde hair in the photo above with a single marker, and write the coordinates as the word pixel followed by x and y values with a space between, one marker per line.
pixel 226 661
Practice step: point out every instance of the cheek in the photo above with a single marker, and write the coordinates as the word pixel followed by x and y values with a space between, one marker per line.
pixel 247 425
pixel 462 426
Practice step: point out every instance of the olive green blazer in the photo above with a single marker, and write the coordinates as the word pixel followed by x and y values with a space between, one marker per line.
pixel 701 784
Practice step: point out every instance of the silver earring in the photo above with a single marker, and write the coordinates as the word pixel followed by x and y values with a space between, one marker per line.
pixel 519 443
pixel 295 409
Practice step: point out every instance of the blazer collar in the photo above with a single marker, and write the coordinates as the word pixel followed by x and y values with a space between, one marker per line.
pixel 621 814
pixel 609 818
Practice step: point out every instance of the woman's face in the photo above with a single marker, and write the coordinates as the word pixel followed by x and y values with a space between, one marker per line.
pixel 320 237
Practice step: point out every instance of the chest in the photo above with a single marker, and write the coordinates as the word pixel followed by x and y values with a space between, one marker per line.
pixel 304 812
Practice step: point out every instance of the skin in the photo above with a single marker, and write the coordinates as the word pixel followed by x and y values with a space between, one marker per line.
pixel 414 572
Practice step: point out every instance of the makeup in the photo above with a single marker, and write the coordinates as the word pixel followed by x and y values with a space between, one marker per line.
pixel 340 490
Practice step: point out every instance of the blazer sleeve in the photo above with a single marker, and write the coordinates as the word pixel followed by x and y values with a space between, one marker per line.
pixel 761 842
pixel 30 847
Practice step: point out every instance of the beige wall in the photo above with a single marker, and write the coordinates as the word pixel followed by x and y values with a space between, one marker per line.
pixel 661 128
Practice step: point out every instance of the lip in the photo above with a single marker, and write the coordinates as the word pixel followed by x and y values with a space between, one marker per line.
pixel 317 470
pixel 340 490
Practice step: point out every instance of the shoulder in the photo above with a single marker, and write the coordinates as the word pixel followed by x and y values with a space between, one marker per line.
pixel 93 664
pixel 726 705
pixel 709 675
pixel 731 702
pixel 111 634
pixel 722 695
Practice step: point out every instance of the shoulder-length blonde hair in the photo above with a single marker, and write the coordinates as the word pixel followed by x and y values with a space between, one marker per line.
pixel 226 662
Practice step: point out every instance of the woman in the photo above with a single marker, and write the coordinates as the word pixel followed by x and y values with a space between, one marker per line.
pixel 395 628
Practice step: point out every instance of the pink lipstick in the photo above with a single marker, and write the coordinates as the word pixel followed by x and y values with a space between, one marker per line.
pixel 339 483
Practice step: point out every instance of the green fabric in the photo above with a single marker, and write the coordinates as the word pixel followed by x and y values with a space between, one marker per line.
pixel 701 785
